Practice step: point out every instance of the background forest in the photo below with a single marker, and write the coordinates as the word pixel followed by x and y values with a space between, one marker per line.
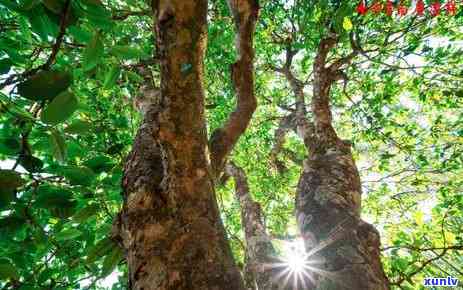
pixel 72 73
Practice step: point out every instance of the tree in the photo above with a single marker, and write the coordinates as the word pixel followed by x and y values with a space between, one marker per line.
pixel 170 220
pixel 329 190
pixel 159 96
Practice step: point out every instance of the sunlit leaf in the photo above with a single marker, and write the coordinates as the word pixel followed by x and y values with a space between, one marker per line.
pixel 45 85
pixel 60 108
pixel 93 53
pixel 58 145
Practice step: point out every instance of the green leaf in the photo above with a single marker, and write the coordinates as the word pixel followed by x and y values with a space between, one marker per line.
pixel 93 2
pixel 9 145
pixel 79 175
pixel 93 53
pixel 41 24
pixel 127 52
pixel 5 65
pixel 99 163
pixel 78 127
pixel 58 145
pixel 45 275
pixel 115 149
pixel 111 77
pixel 134 77
pixel 14 108
pixel 80 34
pixel 85 213
pixel 45 85
pixel 31 163
pixel 29 4
pixel 60 108
pixel 111 261
pixel 96 13
pixel 29 287
pixel 10 224
pixel 9 181
pixel 52 196
pixel 68 234
pixel 58 200
pixel 8 270
pixel 10 5
pixel 100 249
pixel 55 6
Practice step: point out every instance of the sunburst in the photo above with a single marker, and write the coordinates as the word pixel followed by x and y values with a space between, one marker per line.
pixel 296 266
pixel 299 267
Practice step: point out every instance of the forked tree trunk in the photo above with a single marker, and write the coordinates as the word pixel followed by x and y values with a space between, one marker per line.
pixel 344 248
pixel 170 223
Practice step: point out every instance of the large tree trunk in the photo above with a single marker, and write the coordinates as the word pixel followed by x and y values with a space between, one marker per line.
pixel 170 223
pixel 328 198
pixel 342 250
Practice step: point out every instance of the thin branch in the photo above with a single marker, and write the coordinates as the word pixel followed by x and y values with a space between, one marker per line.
pixel 418 249
pixel 259 248
pixel 323 80
pixel 419 269
pixel 59 39
pixel 51 59
pixel 286 124
pixel 242 73
pixel 300 123
pixel 124 14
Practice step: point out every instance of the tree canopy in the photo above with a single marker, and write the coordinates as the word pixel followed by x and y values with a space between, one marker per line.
pixel 71 76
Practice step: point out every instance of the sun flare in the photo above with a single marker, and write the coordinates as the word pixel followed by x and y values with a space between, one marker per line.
pixel 298 268
pixel 294 256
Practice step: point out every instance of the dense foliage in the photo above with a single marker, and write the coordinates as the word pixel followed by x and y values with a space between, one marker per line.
pixel 71 72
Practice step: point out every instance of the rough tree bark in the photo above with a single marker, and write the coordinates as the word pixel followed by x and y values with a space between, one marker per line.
pixel 245 13
pixel 261 264
pixel 328 196
pixel 170 224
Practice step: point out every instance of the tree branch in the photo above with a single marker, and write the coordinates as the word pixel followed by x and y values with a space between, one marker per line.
pixel 54 52
pixel 223 139
pixel 59 39
pixel 302 126
pixel 287 123
pixel 260 254
pixel 322 84
pixel 123 14
pixel 419 269
pixel 337 64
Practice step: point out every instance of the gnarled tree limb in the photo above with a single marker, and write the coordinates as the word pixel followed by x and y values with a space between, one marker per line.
pixel 261 264
pixel 296 121
pixel 223 139
pixel 286 124
pixel 322 84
